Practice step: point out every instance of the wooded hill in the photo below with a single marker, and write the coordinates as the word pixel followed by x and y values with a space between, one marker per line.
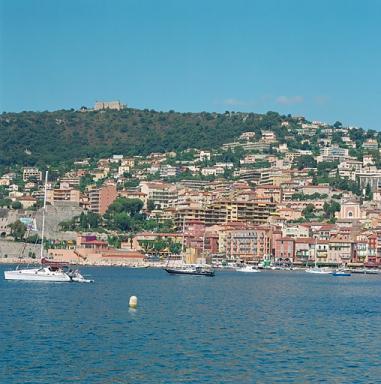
pixel 29 138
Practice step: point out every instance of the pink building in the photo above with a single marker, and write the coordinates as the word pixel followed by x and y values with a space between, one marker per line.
pixel 284 248
pixel 248 244
pixel 101 198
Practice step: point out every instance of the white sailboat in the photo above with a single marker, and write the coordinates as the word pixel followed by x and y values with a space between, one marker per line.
pixel 44 272
pixel 316 269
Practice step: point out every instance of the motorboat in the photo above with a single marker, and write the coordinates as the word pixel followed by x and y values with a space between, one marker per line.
pixel 247 269
pixel 77 277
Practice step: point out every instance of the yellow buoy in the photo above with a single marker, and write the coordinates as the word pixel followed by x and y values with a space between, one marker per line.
pixel 133 302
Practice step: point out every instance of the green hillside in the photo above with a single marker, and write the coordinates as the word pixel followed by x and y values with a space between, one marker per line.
pixel 29 138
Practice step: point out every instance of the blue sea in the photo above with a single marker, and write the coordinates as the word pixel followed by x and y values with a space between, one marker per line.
pixel 269 327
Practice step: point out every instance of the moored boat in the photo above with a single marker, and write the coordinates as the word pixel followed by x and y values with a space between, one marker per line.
pixel 340 273
pixel 247 269
pixel 321 271
pixel 196 270
pixel 44 273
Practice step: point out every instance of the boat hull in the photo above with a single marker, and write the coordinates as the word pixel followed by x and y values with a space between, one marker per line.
pixel 317 272
pixel 37 275
pixel 341 274
pixel 189 272
pixel 248 270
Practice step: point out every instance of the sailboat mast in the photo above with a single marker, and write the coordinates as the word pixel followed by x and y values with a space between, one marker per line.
pixel 183 240
pixel 43 216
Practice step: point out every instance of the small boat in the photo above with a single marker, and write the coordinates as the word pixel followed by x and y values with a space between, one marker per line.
pixel 340 273
pixel 77 277
pixel 247 269
pixel 321 271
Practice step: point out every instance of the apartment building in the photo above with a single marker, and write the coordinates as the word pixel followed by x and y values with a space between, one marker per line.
pixel 163 195
pixel 257 176
pixel 101 198
pixel 248 244
pixel 31 173
pixel 63 195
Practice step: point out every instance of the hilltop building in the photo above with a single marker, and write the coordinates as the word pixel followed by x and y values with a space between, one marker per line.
pixel 115 105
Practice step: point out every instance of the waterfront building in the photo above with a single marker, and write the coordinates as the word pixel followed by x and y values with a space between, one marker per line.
pixel 248 244
pixel 284 248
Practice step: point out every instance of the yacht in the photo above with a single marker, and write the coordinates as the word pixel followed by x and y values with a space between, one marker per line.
pixel 196 270
pixel 189 269
pixel 43 273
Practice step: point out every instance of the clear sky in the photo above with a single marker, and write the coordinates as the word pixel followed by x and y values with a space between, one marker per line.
pixel 318 58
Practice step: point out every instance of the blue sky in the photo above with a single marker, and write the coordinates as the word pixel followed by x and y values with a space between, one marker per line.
pixel 321 59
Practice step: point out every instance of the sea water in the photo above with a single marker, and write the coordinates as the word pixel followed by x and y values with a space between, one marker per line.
pixel 269 327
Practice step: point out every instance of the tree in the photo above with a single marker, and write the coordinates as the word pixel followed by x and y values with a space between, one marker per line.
pixel 337 124
pixel 306 161
pixel 122 204
pixel 368 192
pixel 84 181
pixel 18 230
pixel 330 210
pixel 308 212
pixel 5 202
pixel 16 205
pixel 122 221
pixel 150 205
